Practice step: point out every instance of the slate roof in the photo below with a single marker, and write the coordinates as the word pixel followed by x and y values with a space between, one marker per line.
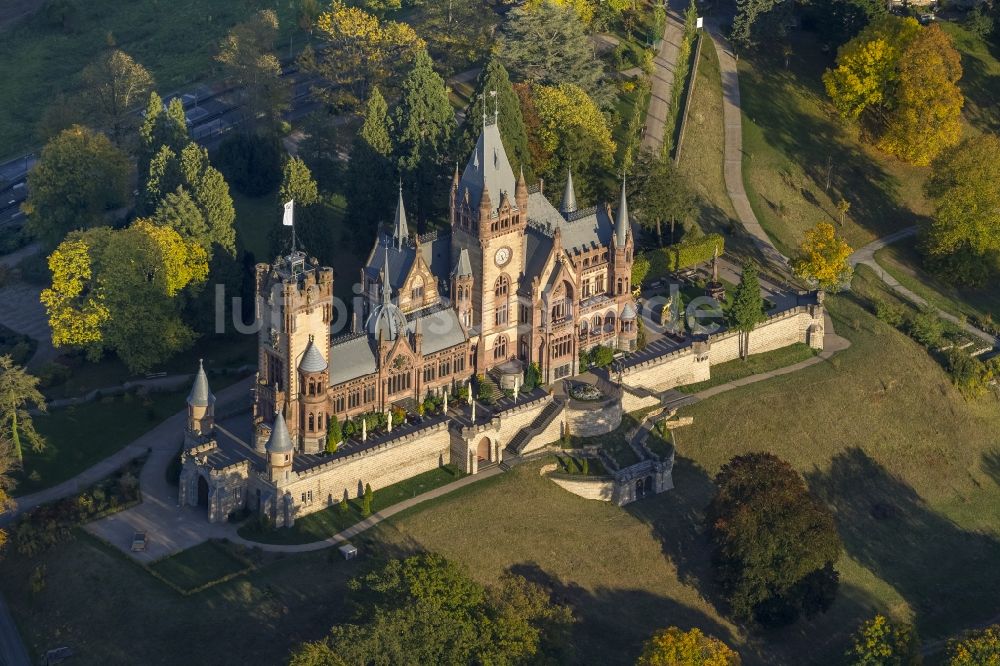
pixel 200 395
pixel 440 327
pixel 279 441
pixel 351 357
pixel 488 165
pixel 462 267
pixel 312 359
pixel 436 253
pixel 569 194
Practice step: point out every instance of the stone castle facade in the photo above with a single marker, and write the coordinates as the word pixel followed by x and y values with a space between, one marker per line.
pixel 513 282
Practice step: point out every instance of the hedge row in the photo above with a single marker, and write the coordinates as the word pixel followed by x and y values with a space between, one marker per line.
pixel 665 260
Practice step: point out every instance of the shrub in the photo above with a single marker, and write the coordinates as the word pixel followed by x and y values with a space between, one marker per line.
pixel 584 466
pixel 584 360
pixel 689 252
pixel 532 377
pixel 333 435
pixel 926 327
pixel 889 313
pixel 971 375
pixel 484 390
pixel 343 506
pixel 601 356
pixel 366 501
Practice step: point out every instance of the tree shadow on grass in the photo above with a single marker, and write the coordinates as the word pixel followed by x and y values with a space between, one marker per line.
pixel 612 624
pixel 818 144
pixel 946 574
pixel 991 464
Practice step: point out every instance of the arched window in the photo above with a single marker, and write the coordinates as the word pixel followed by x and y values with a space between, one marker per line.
pixel 500 348
pixel 500 292
pixel 417 290
pixel 312 422
pixel 609 322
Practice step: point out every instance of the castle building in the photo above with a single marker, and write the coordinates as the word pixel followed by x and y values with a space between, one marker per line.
pixel 513 281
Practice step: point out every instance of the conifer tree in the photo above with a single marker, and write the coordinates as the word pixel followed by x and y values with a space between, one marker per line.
pixel 297 183
pixel 371 173
pixel 507 107
pixel 333 435
pixel 366 501
pixel 18 390
pixel 424 125
pixel 161 127
pixel 748 307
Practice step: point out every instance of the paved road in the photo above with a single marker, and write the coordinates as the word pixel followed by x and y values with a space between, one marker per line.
pixel 664 65
pixel 12 650
pixel 733 167
pixel 866 256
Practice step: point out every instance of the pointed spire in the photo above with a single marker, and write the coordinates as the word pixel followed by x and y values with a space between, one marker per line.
pixel 569 194
pixel 621 219
pixel 201 395
pixel 400 231
pixel 279 441
pixel 385 278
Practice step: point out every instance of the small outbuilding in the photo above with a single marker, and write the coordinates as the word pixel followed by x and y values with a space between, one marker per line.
pixel 348 551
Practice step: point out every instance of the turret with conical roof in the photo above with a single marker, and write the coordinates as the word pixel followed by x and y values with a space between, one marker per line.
pixel 279 449
pixel 201 404
pixel 569 195
pixel 315 379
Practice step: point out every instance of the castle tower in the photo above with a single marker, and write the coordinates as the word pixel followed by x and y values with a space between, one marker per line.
pixel 294 309
pixel 461 288
pixel 314 381
pixel 280 451
pixel 490 212
pixel 200 406
pixel 621 265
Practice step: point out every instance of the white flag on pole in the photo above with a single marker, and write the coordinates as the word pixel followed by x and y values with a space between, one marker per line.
pixel 287 219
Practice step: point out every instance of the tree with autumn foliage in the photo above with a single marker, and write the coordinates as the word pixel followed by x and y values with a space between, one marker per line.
pixel 675 647
pixel 358 51
pixel 114 84
pixel 574 133
pixel 962 240
pixel 879 642
pixel 251 64
pixel 978 648
pixel 823 258
pixel 899 80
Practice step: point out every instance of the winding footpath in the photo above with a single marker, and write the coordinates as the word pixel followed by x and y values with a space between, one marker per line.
pixel 733 167
pixel 865 256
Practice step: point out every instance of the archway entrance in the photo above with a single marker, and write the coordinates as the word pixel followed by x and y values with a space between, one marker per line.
pixel 202 491
pixel 483 449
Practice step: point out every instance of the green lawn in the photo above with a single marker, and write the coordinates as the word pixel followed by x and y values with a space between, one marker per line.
pixel 792 138
pixel 754 364
pixel 200 566
pixel 980 80
pixel 177 41
pixel 702 155
pixel 78 437
pixel 903 262
pixel 324 524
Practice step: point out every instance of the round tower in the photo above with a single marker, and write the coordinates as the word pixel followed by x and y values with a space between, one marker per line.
pixel 314 381
pixel 279 450
pixel 200 405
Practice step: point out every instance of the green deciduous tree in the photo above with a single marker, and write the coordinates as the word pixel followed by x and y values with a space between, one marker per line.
pixel 80 177
pixel 879 642
pixel 424 122
pixel 666 197
pixel 747 309
pixel 549 45
pixel 962 240
pixel 247 54
pixel 297 183
pixel 775 544
pixel 114 84
pixel 748 13
pixel 425 610
pixel 18 392
pixel 675 647
pixel 507 107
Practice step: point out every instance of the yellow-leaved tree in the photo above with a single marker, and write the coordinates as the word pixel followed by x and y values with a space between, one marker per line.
pixel 75 306
pixel 823 258
pixel 899 80
pixel 674 647
pixel 979 648
pixel 359 52
pixel 583 8
pixel 572 129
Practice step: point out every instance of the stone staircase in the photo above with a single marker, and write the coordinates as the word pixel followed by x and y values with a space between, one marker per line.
pixel 541 422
